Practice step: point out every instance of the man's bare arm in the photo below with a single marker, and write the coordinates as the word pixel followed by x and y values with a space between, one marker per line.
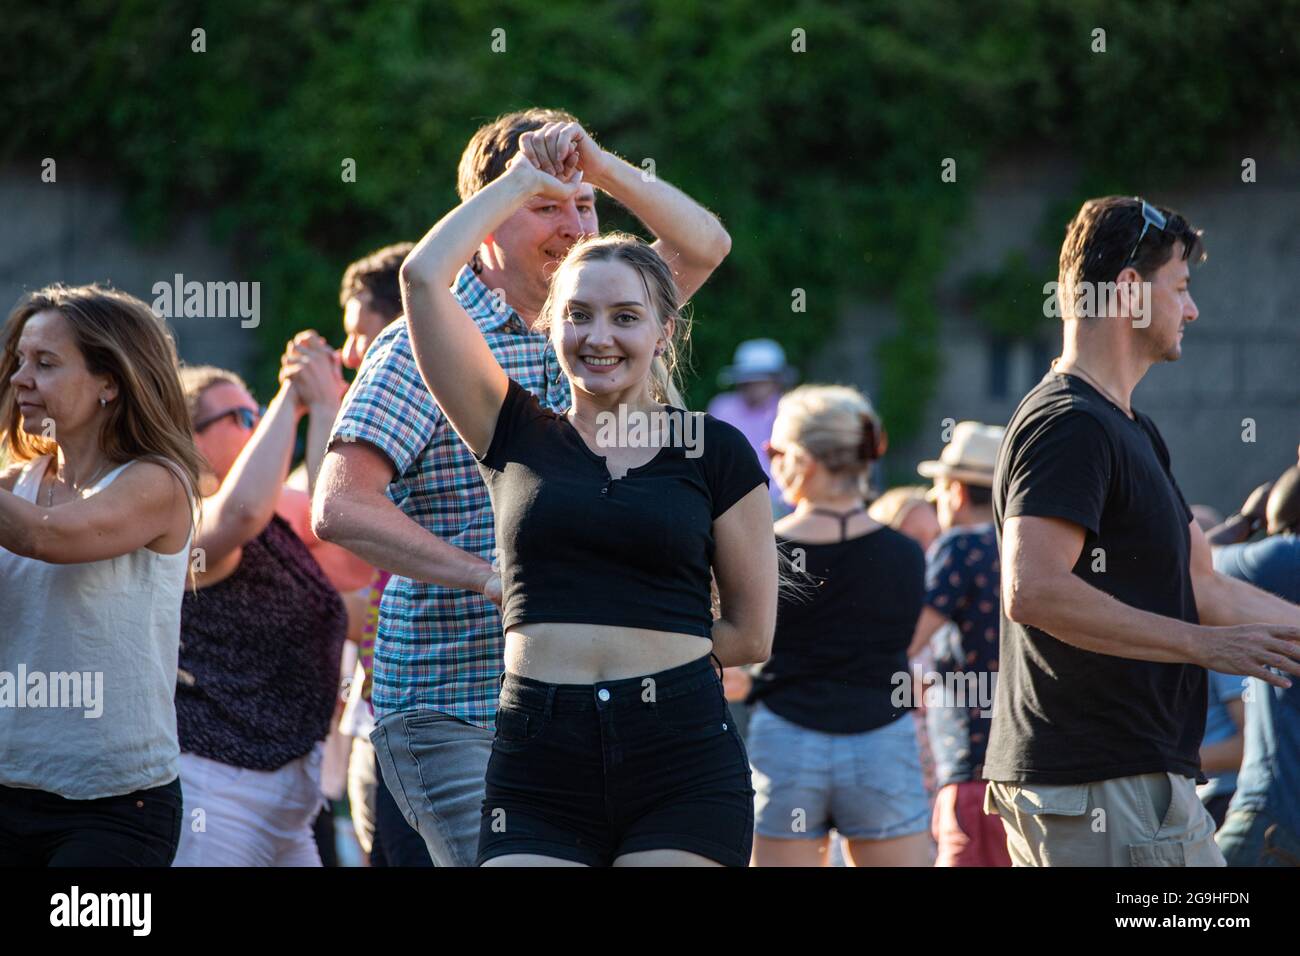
pixel 1039 588
pixel 1227 601
pixel 688 237
pixel 1225 756
pixel 929 622
pixel 350 509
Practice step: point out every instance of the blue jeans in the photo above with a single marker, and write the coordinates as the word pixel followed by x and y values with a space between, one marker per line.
pixel 434 766
pixel 1254 838
pixel 396 842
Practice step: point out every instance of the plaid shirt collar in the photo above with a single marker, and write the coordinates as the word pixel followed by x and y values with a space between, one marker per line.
pixel 490 313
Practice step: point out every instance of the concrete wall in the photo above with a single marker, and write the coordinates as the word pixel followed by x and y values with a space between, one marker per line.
pixel 76 230
pixel 1241 358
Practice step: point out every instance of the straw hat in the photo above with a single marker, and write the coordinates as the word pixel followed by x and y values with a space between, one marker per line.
pixel 970 457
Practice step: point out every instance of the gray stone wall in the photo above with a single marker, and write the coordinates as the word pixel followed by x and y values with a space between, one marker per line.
pixel 75 230
pixel 1241 358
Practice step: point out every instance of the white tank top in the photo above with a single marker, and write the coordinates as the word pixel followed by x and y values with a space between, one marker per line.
pixel 88 667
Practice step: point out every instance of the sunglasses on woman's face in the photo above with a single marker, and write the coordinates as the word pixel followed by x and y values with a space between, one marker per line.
pixel 771 451
pixel 246 418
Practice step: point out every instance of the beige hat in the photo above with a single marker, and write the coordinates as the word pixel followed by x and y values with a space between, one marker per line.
pixel 970 457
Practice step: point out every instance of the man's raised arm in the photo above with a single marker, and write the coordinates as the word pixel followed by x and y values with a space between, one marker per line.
pixel 687 236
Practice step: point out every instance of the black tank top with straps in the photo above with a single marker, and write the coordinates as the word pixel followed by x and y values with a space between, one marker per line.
pixel 840 647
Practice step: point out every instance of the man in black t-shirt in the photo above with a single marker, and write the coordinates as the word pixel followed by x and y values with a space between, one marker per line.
pixel 1111 608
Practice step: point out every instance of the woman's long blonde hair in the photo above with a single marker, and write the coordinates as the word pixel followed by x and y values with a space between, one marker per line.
pixel 118 336
pixel 662 291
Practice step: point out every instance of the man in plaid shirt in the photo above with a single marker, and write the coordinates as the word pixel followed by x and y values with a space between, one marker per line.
pixel 400 489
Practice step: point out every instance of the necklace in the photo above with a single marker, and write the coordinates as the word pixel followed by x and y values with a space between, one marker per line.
pixel 54 480
pixel 1077 370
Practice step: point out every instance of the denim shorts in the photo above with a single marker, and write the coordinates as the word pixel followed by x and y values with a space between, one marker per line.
pixel 867 786
pixel 589 772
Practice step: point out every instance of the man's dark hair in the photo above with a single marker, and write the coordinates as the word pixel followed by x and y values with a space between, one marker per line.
pixel 377 274
pixel 1101 236
pixel 492 147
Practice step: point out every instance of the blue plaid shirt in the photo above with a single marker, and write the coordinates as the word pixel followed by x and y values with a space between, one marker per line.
pixel 438 647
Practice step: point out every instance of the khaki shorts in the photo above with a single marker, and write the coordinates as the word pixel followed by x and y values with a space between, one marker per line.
pixel 1153 819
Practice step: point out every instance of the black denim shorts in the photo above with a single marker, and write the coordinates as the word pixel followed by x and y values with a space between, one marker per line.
pixel 589 772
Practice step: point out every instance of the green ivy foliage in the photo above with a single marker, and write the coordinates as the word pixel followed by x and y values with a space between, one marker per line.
pixel 824 164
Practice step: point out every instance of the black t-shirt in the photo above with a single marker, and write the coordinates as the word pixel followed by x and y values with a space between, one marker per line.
pixel 838 649
pixel 1062 714
pixel 576 547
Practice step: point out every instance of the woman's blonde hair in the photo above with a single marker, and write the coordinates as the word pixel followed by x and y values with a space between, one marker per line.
pixel 837 426
pixel 664 299
pixel 118 336
pixel 893 507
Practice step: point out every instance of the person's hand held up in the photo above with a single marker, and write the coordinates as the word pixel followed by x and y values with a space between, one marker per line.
pixel 1256 502
pixel 537 179
pixel 561 148
pixel 569 146
pixel 313 367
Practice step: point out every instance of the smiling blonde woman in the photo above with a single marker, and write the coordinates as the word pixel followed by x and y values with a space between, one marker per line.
pixel 614 743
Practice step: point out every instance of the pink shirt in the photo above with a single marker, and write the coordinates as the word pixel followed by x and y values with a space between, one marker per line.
pixel 754 422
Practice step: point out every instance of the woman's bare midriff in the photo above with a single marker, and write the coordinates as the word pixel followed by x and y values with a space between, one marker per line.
pixel 590 653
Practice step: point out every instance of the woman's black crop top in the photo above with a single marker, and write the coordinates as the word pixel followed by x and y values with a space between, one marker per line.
pixel 577 547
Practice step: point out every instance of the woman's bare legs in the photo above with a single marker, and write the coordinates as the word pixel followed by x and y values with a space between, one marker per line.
pixel 769 851
pixel 910 850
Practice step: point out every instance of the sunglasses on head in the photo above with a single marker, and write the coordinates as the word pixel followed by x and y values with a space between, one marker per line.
pixel 247 418
pixel 1151 216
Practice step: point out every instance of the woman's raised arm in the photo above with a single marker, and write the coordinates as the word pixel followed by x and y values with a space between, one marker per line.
pixel 458 368
pixel 145 503
pixel 242 507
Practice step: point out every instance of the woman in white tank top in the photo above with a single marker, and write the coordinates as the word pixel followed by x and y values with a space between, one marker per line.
pixel 96 512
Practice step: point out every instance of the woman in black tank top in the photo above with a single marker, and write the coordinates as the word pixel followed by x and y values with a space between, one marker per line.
pixel 831 743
